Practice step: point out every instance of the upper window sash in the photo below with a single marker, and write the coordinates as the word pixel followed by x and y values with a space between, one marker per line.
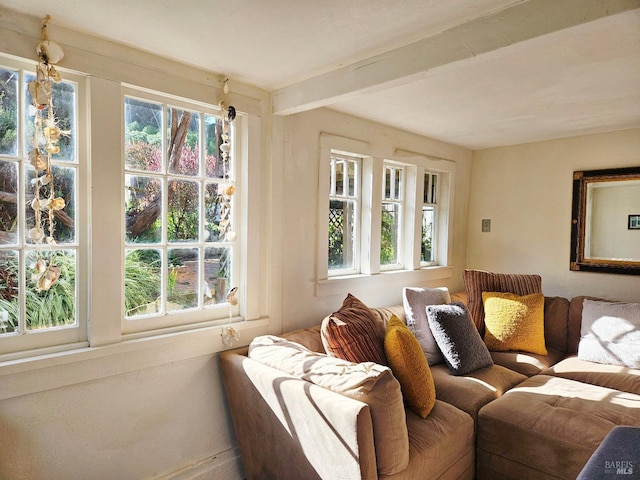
pixel 393 224
pixel 344 215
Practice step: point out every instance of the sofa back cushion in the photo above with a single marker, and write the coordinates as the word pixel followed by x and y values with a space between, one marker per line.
pixel 307 337
pixel 384 314
pixel 367 382
pixel 556 323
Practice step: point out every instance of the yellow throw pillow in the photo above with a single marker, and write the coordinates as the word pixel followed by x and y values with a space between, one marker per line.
pixel 409 365
pixel 514 322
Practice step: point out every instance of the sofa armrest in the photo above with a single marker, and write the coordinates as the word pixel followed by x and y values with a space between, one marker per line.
pixel 290 428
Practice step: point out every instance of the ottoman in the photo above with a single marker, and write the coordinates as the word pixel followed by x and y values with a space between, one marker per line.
pixel 548 428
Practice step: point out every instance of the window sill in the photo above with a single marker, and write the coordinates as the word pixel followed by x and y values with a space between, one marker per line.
pixel 45 372
pixel 399 278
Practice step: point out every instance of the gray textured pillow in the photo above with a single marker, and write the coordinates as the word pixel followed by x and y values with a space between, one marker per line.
pixel 415 301
pixel 610 333
pixel 458 338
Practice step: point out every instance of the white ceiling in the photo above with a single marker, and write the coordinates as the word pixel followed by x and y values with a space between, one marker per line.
pixel 477 73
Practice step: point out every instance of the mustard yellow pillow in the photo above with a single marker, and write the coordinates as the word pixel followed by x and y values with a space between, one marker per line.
pixel 514 322
pixel 409 365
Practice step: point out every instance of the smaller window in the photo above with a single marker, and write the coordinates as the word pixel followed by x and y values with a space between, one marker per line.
pixel 344 215
pixel 429 210
pixel 391 218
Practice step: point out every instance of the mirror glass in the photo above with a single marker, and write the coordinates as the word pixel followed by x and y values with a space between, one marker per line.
pixel 606 221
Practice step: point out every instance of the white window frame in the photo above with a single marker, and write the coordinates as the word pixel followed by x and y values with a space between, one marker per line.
pixel 356 199
pixel 431 202
pixel 412 271
pixel 26 343
pixel 404 228
pixel 100 239
pixel 224 311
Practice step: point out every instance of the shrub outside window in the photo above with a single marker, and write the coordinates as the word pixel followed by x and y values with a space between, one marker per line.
pixel 38 277
pixel 428 253
pixel 392 211
pixel 179 210
pixel 344 215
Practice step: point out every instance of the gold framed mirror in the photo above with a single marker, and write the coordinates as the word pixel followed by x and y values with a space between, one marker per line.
pixel 605 221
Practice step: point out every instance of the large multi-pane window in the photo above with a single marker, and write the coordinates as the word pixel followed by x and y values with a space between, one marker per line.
pixel 392 210
pixel 180 235
pixel 344 214
pixel 40 169
pixel 429 208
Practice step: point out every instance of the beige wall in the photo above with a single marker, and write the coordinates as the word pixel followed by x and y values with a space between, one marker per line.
pixel 526 192
pixel 301 306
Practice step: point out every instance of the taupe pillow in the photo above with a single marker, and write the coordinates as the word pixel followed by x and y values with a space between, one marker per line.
pixel 459 341
pixel 415 301
pixel 367 382
pixel 353 333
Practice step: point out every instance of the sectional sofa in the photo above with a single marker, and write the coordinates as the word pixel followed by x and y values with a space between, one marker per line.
pixel 300 413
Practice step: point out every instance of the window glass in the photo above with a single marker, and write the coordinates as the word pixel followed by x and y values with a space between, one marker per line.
pixel 179 209
pixel 9 112
pixel 391 217
pixel 39 254
pixel 344 221
pixel 429 209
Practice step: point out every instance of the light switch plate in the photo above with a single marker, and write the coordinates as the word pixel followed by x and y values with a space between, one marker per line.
pixel 486 225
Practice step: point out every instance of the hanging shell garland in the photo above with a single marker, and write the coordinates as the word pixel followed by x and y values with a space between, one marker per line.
pixel 44 146
pixel 228 116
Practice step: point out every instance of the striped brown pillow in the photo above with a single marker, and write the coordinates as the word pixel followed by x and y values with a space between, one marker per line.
pixel 353 333
pixel 478 281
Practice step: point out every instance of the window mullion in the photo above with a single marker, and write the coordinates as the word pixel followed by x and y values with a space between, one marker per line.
pixel 412 216
pixel 371 215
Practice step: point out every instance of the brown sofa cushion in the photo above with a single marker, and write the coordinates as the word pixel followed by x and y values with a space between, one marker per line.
pixel 478 281
pixel 556 321
pixel 528 364
pixel 354 333
pixel 440 446
pixel 367 382
pixel 471 392
pixel 548 427
pixel 611 376
pixel 384 314
pixel 309 337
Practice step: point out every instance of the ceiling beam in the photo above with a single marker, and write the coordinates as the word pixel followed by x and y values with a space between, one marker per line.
pixel 521 22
